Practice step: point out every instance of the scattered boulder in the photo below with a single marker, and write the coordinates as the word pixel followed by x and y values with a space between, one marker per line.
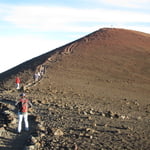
pixel 58 132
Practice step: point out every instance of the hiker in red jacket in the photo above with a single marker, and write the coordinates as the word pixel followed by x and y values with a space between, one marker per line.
pixel 17 83
pixel 22 106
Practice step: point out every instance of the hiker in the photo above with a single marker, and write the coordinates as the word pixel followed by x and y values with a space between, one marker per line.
pixel 17 83
pixel 42 70
pixel 22 104
pixel 39 75
pixel 36 77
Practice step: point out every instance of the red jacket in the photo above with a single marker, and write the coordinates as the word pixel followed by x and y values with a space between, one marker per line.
pixel 24 105
pixel 17 80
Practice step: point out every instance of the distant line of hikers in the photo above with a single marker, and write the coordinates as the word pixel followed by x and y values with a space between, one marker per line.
pixel 37 76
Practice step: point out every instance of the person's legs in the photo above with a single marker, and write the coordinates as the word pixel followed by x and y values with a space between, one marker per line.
pixel 20 122
pixel 26 121
pixel 17 86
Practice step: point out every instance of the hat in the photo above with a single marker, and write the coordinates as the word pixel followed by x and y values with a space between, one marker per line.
pixel 22 94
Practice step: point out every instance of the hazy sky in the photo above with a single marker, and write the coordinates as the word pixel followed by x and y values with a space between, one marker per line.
pixel 29 28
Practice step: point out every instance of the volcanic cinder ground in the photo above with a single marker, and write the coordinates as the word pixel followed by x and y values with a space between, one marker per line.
pixel 93 95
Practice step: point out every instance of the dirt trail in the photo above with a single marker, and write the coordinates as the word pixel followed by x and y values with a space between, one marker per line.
pixel 21 140
pixel 10 139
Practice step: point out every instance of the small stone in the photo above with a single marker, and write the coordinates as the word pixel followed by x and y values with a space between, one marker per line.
pixel 103 115
pixel 106 125
pixel 75 146
pixel 85 113
pixel 89 117
pixel 122 116
pixel 2 129
pixel 91 137
pixel 90 130
pixel 139 118
pixel 41 128
pixel 42 135
pixel 33 140
pixel 31 147
pixel 58 132
pixel 118 131
pixel 14 121
pixel 94 124
pixel 91 112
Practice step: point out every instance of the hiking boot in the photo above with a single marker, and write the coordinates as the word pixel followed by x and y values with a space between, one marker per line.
pixel 26 129
pixel 18 132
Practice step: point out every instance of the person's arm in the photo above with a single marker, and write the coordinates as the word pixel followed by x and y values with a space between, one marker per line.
pixel 30 104
pixel 16 103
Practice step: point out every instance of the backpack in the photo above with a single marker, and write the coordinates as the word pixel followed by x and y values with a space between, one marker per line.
pixel 23 105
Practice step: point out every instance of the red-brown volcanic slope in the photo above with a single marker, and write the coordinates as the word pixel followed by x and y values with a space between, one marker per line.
pixel 96 89
pixel 107 63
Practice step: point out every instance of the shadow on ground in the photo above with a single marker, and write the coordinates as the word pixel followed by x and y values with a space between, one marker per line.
pixel 8 135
